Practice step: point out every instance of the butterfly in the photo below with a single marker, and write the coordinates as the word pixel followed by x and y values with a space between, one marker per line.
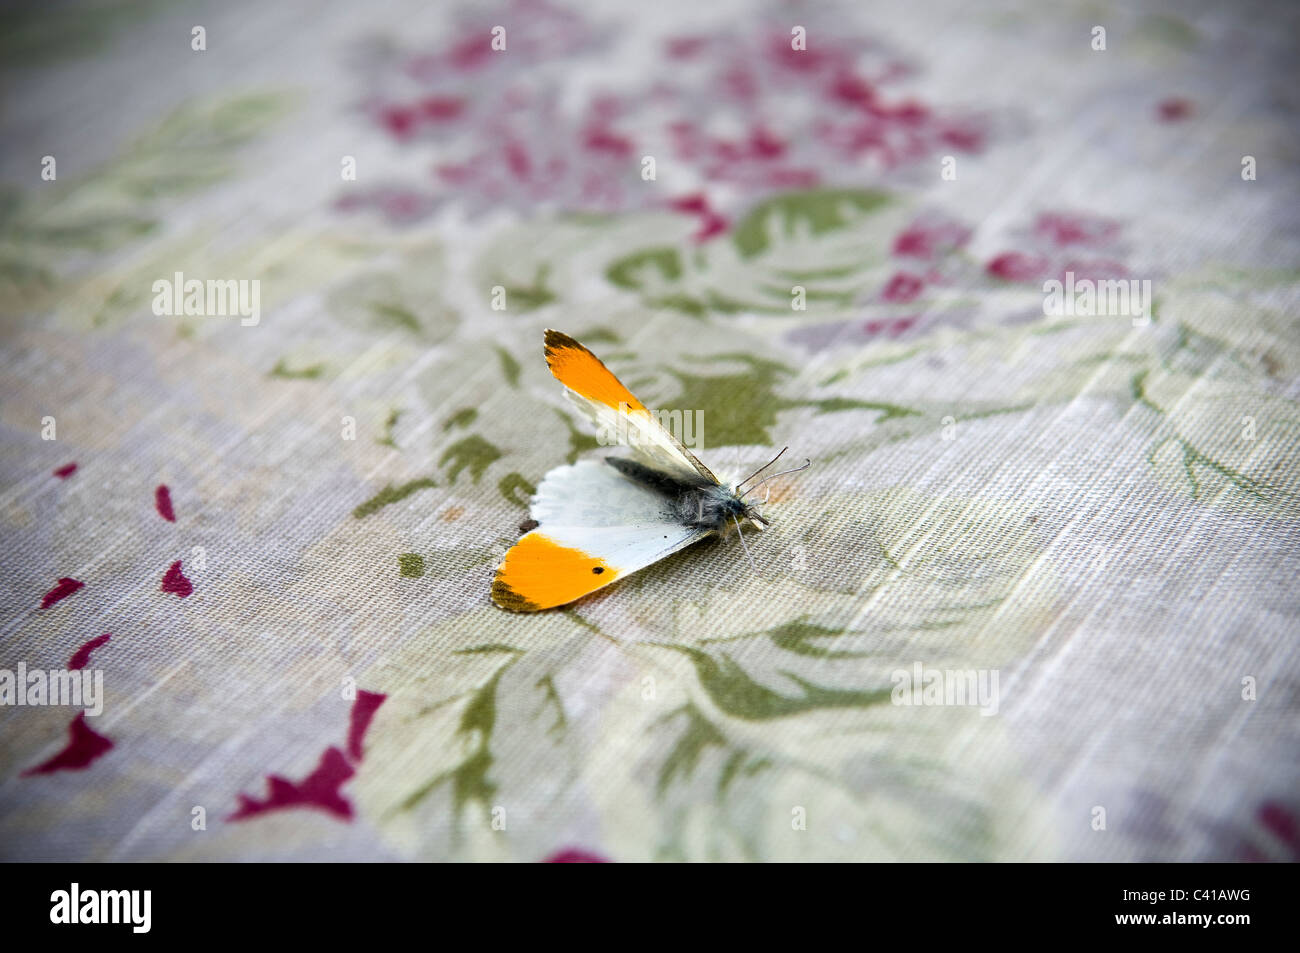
pixel 596 521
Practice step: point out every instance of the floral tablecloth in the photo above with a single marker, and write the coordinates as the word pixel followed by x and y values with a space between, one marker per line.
pixel 269 532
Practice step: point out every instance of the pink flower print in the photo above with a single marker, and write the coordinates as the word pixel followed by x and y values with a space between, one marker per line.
pixel 903 287
pixel 1017 266
pixel 929 239
pixel 1063 228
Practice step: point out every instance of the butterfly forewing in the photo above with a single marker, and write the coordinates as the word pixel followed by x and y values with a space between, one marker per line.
pixel 615 410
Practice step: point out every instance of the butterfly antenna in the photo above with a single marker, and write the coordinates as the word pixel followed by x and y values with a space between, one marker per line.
pixel 760 469
pixel 806 465
pixel 743 546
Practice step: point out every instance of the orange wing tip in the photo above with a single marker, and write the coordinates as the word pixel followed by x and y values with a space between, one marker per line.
pixel 583 372
pixel 507 598
pixel 557 339
pixel 539 573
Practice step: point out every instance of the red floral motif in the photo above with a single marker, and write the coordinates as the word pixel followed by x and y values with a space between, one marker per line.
pixel 1061 228
pixel 82 656
pixel 434 93
pixel 542 158
pixel 1282 823
pixel 400 206
pixel 757 161
pixel 506 138
pixel 84 746
pixel 891 328
pixel 1015 266
pixel 903 287
pixel 711 223
pixel 1175 109
pixel 175 581
pixel 65 587
pixel 927 239
pixel 405 120
pixel 1280 826
pixel 574 855
pixel 320 790
pixel 686 47
pixel 363 711
pixel 1054 242
pixel 162 501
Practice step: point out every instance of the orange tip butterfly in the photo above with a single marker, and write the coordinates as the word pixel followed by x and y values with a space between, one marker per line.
pixel 597 521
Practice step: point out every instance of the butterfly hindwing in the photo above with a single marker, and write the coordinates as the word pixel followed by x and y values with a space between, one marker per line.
pixel 614 409
pixel 595 526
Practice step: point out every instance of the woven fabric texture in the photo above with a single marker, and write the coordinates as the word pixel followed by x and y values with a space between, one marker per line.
pixel 1035 598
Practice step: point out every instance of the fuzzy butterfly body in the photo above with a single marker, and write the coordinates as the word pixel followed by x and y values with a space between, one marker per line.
pixel 600 520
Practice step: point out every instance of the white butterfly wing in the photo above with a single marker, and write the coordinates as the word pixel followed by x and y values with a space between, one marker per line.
pixel 595 526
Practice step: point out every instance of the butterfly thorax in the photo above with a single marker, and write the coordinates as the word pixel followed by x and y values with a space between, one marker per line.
pixel 694 502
